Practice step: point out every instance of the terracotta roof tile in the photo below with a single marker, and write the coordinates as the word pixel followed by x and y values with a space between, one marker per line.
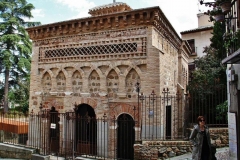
pixel 197 29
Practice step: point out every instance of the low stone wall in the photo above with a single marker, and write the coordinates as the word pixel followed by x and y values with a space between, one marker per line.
pixel 160 150
pixel 11 151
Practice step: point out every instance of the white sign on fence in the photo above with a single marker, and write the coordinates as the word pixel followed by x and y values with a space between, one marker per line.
pixel 53 126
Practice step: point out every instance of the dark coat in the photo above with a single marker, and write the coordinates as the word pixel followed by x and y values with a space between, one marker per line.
pixel 196 138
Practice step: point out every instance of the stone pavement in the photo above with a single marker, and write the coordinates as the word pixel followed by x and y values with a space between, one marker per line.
pixel 221 154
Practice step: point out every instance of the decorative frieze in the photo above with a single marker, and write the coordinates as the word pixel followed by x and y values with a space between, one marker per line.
pixel 147 16
pixel 131 32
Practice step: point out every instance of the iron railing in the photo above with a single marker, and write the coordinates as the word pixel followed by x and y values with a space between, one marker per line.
pixel 212 104
pixel 232 29
pixel 72 134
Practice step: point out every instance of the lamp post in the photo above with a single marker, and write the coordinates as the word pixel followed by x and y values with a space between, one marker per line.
pixel 41 107
pixel 137 85
pixel 138 91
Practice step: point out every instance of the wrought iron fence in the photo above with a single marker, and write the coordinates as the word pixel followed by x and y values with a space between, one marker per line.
pixel 73 134
pixel 162 117
pixel 212 105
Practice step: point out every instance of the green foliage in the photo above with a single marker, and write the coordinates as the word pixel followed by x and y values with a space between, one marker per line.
pixel 231 39
pixel 15 44
pixel 215 11
pixel 209 72
pixel 19 94
pixel 222 110
pixel 218 2
pixel 208 84
pixel 217 40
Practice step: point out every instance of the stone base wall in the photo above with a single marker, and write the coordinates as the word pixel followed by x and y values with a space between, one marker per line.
pixel 11 151
pixel 156 150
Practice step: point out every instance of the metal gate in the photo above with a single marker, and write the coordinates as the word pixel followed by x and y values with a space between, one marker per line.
pixel 54 131
pixel 162 117
pixel 86 130
pixel 125 137
pixel 168 122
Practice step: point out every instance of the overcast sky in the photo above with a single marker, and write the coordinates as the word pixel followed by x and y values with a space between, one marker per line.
pixel 182 14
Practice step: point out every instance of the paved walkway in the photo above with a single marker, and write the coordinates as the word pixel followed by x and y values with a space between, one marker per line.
pixel 222 154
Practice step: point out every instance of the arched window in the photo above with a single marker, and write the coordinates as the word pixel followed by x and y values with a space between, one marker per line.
pixel 77 82
pixel 112 84
pixel 46 82
pixel 131 83
pixel 94 82
pixel 61 82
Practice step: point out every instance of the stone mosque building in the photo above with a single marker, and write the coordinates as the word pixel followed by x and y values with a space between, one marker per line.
pixel 98 65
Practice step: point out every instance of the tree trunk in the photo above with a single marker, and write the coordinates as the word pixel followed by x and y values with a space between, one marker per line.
pixel 6 88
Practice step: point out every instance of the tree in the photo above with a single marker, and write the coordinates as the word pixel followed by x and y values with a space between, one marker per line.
pixel 19 95
pixel 15 44
pixel 217 41
pixel 209 70
pixel 207 87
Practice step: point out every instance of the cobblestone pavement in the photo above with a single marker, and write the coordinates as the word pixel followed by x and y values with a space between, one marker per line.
pixel 222 154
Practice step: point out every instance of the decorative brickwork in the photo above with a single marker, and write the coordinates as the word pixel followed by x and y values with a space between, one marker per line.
pixel 97 62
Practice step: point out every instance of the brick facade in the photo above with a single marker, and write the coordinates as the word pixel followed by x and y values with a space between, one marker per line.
pixel 98 61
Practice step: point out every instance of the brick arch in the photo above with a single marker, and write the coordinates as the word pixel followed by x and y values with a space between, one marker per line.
pixel 126 63
pixel 99 72
pixel 80 100
pixel 64 72
pixel 124 113
pixel 42 80
pixel 79 70
pixel 77 66
pixel 49 72
pixel 116 69
pixel 136 68
pixel 121 108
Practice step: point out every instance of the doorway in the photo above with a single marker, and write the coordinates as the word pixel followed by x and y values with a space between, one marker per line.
pixel 86 130
pixel 168 122
pixel 54 131
pixel 125 137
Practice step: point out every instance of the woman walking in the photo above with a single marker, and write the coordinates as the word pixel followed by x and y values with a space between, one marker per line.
pixel 200 139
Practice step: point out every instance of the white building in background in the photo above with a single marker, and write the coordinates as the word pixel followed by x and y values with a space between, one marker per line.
pixel 199 37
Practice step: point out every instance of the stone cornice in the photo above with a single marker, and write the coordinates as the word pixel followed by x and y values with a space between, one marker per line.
pixel 138 17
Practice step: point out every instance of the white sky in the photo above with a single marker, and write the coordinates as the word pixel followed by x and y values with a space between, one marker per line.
pixel 182 14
